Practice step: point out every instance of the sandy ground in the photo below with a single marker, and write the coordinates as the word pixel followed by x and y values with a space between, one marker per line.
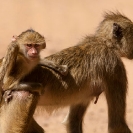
pixel 64 23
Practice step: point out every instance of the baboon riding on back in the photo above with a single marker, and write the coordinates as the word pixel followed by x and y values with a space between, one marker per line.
pixel 95 66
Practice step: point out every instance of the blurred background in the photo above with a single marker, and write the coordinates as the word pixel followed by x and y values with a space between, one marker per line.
pixel 64 23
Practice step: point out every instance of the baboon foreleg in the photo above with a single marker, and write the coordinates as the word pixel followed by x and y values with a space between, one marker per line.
pixel 75 118
pixel 7 65
pixel 116 101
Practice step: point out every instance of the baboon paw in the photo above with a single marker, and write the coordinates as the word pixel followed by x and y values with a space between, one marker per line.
pixel 63 70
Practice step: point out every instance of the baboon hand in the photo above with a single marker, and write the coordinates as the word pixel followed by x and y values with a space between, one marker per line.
pixel 63 69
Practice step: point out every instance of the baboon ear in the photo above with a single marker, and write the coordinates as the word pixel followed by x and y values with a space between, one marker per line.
pixel 117 31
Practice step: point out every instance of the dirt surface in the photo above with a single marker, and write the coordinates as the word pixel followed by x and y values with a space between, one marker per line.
pixel 64 23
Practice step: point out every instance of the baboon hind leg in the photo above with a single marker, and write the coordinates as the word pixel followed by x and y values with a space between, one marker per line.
pixel 75 118
pixel 116 100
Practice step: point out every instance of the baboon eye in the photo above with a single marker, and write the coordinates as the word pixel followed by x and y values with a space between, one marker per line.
pixel 29 45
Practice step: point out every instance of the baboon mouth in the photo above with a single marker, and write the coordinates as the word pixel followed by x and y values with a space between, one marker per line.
pixel 33 56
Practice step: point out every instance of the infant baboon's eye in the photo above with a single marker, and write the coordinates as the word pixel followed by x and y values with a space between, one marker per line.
pixel 29 45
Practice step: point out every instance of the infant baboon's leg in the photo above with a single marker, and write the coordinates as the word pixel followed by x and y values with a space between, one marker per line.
pixel 17 115
pixel 75 118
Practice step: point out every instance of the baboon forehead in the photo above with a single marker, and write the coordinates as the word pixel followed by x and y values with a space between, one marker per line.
pixel 105 28
pixel 30 36
pixel 116 17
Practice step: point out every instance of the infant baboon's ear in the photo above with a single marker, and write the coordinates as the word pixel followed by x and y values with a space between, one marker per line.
pixel 117 31
pixel 14 37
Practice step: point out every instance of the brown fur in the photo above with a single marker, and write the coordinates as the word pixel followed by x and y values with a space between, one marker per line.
pixel 14 115
pixel 17 63
pixel 95 66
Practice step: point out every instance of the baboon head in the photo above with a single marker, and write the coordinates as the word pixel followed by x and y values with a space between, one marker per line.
pixel 30 44
pixel 119 30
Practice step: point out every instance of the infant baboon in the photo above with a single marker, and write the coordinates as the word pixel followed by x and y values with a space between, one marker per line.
pixel 95 66
pixel 22 56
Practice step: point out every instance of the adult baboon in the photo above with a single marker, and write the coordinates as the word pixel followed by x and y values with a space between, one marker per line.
pixel 95 66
